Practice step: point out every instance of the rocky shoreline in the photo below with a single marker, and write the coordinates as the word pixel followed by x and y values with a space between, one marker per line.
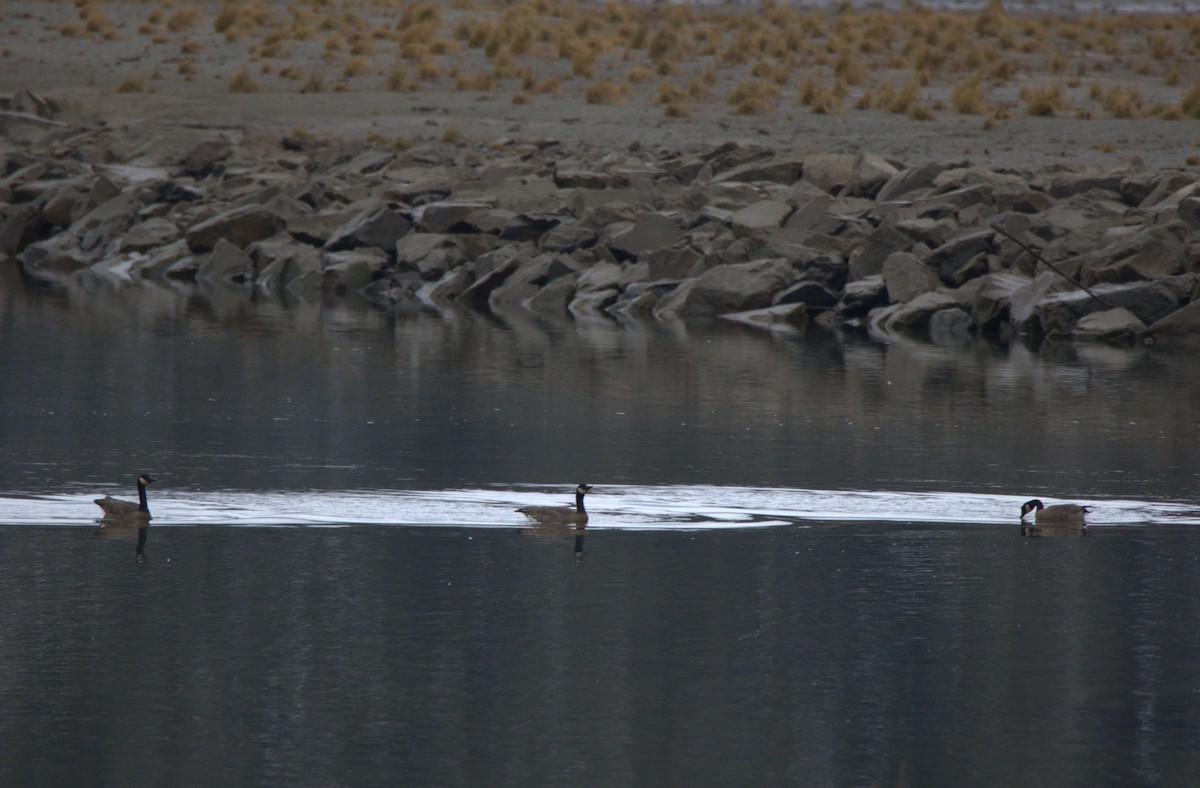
pixel 737 230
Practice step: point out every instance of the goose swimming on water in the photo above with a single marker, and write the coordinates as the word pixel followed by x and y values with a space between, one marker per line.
pixel 560 514
pixel 1058 514
pixel 127 511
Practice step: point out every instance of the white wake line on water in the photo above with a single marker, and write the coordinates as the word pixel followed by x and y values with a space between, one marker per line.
pixel 617 507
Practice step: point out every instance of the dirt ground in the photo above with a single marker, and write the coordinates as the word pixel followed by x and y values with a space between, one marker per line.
pixel 143 63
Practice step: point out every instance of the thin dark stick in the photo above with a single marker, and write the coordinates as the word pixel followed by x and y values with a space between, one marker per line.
pixel 1049 264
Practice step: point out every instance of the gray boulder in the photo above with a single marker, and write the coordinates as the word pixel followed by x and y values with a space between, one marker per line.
pixel 225 263
pixel 567 237
pixel 1182 325
pixel 806 291
pixel 951 260
pixel 648 233
pixel 348 272
pixel 1152 254
pixel 728 288
pixel 449 216
pixel 1111 326
pixel 868 259
pixel 906 277
pixel 992 298
pixel 860 297
pixel 773 170
pixel 914 180
pixel 380 227
pixel 442 293
pixel 240 227
pixel 150 234
pixel 430 254
pixel 913 317
pixel 761 216
pixel 950 327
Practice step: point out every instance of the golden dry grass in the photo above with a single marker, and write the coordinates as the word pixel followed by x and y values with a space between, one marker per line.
pixel 838 59
pixel 241 82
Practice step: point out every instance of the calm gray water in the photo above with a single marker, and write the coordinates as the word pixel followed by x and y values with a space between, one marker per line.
pixel 803 566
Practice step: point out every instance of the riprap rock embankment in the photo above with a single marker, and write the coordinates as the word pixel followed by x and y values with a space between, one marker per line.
pixel 940 249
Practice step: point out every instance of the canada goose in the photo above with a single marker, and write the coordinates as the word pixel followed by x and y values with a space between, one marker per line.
pixel 560 514
pixel 1058 514
pixel 127 511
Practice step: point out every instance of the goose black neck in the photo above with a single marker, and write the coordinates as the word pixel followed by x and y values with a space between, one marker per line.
pixel 579 502
pixel 143 506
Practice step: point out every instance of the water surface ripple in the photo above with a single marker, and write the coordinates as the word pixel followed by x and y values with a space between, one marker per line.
pixel 691 507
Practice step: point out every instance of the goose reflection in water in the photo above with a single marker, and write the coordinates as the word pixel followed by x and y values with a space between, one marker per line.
pixel 1054 529
pixel 559 531
pixel 126 531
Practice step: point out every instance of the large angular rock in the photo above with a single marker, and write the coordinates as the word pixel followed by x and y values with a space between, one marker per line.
pixel 380 227
pixel 950 327
pixel 761 216
pixel 912 317
pixel 871 173
pixel 906 277
pixel 298 262
pixel 949 259
pixel 868 259
pixel 554 297
pixel 992 299
pixel 478 294
pixel 728 288
pixel 1149 301
pixel 240 227
pixel 861 296
pixel 773 170
pixel 1152 254
pixel 442 293
pixel 1112 326
pixel 150 234
pixel 1182 325
pixel 914 180
pixel 225 263
pixel 806 291
pixel 431 254
pixel 677 262
pixel 650 232
pixel 347 272
pixel 567 237
pixel 20 226
pixel 530 277
pixel 449 216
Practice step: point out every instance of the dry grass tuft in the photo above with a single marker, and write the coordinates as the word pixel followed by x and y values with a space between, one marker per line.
pixel 241 82
pixel 130 85
pixel 967 96
pixel 182 19
pixel 753 97
pixel 602 92
pixel 1190 103
pixel 1043 101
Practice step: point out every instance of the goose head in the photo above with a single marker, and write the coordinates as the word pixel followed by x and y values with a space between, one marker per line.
pixel 1029 506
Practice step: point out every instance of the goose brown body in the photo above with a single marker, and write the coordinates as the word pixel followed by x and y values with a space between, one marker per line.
pixel 576 514
pixel 128 511
pixel 1058 514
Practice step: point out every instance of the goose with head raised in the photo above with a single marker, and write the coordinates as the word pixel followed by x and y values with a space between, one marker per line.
pixel 576 514
pixel 127 511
